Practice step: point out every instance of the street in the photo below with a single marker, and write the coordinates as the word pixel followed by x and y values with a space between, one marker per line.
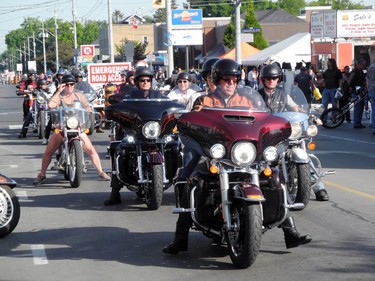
pixel 68 234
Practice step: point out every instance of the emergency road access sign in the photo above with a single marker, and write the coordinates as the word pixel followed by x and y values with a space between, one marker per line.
pixel 101 73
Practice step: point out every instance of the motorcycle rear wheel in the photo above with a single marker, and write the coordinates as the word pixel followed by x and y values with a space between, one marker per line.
pixel 244 242
pixel 76 164
pixel 299 185
pixel 332 118
pixel 154 192
pixel 9 211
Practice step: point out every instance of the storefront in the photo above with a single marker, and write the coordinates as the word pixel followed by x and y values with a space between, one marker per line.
pixel 345 36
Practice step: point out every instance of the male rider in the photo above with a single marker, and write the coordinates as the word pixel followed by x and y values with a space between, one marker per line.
pixel 225 73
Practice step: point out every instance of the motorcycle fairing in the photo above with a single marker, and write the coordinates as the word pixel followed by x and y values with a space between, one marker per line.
pixel 4 180
pixel 203 127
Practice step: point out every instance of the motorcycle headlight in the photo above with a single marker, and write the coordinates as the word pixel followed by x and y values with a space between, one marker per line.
pixel 270 154
pixel 72 122
pixel 217 151
pixel 243 153
pixel 297 130
pixel 151 130
pixel 312 130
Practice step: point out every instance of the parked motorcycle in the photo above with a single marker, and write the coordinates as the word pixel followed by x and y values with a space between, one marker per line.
pixel 9 206
pixel 71 123
pixel 146 156
pixel 234 194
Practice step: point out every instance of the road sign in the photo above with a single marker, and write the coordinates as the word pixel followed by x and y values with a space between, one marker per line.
pixel 250 29
pixel 101 73
pixel 87 50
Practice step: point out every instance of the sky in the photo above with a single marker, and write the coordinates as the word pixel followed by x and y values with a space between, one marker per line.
pixel 12 15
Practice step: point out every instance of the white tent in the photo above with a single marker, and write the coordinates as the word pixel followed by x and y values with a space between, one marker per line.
pixel 294 49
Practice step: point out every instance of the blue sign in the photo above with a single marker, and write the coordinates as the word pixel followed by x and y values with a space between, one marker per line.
pixel 187 17
pixel 250 29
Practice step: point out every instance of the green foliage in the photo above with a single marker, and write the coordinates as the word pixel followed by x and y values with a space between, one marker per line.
pixel 160 15
pixel 219 8
pixel 139 50
pixel 117 16
pixel 292 6
pixel 338 4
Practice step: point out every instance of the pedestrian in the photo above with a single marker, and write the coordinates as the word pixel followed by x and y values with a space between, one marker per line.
pixel 345 92
pixel 304 81
pixel 332 82
pixel 357 78
pixel 370 81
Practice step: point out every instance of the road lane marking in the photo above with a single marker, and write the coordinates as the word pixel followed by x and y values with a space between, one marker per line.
pixel 360 193
pixel 15 127
pixel 39 254
pixel 347 139
pixel 22 195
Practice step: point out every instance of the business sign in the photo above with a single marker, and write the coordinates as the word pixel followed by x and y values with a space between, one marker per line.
pixel 187 18
pixel 101 73
pixel 87 50
pixel 330 24
pixel 356 23
pixel 182 37
pixel 317 25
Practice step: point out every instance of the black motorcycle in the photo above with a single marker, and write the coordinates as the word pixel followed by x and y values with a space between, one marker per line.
pixel 145 153
pixel 9 206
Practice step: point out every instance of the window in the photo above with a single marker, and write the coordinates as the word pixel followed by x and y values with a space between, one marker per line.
pixel 145 39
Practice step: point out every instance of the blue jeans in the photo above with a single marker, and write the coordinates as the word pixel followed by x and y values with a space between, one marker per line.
pixel 328 96
pixel 358 110
pixel 192 152
pixel 371 96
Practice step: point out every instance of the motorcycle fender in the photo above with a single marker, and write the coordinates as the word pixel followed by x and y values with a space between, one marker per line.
pixel 250 193
pixel 298 155
pixel 155 157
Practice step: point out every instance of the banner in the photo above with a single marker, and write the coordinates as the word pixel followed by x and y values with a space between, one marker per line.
pixel 101 73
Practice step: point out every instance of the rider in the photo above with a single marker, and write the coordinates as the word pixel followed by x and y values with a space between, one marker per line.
pixel 225 73
pixel 59 75
pixel 206 74
pixel 128 85
pixel 66 96
pixel 42 86
pixel 142 77
pixel 277 100
pixel 26 84
pixel 184 91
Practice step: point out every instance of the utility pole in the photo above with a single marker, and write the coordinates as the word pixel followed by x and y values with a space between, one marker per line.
pixel 74 31
pixel 56 43
pixel 237 28
pixel 110 33
pixel 169 32
pixel 44 48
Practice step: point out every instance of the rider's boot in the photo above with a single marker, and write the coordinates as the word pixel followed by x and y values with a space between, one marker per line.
pixel 291 235
pixel 114 198
pixel 180 241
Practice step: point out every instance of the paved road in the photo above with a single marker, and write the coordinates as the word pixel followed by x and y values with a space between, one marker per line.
pixel 68 234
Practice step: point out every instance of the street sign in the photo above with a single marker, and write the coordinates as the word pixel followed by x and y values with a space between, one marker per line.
pixel 250 30
pixel 87 50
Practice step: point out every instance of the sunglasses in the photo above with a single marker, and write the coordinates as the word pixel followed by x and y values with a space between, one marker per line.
pixel 183 81
pixel 271 78
pixel 145 80
pixel 228 80
pixel 69 84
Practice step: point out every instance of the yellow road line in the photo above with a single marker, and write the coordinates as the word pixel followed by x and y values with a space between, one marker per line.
pixel 363 194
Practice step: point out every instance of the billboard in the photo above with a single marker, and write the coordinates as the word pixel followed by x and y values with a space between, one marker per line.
pixel 101 73
pixel 187 18
pixel 356 23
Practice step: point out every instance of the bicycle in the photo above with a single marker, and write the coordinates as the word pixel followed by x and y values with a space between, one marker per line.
pixel 334 117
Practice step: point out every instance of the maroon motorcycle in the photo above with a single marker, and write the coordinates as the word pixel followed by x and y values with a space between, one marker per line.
pixel 234 194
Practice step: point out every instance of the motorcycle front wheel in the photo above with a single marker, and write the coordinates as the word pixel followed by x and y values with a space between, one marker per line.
pixel 154 192
pixel 41 125
pixel 76 164
pixel 299 185
pixel 332 118
pixel 9 211
pixel 245 239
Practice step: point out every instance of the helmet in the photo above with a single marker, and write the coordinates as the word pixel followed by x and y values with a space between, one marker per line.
pixel 225 67
pixel 31 72
pixel 41 82
pixel 61 71
pixel 78 73
pixel 142 71
pixel 207 66
pixel 68 78
pixel 184 75
pixel 271 70
pixel 129 73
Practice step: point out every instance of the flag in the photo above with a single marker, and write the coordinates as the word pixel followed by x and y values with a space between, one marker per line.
pixel 134 23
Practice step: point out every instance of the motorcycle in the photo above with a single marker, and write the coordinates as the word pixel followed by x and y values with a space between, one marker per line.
pixel 42 116
pixel 145 153
pixel 235 195
pixel 71 122
pixel 300 170
pixel 93 97
pixel 10 210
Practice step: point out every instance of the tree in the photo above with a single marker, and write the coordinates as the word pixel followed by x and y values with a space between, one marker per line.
pixel 139 50
pixel 160 15
pixel 117 16
pixel 292 6
pixel 219 8
pixel 338 4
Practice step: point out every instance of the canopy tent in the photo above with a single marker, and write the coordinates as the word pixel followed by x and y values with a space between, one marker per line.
pixel 294 49
pixel 246 50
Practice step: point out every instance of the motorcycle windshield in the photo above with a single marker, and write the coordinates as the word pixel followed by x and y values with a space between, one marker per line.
pixel 297 108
